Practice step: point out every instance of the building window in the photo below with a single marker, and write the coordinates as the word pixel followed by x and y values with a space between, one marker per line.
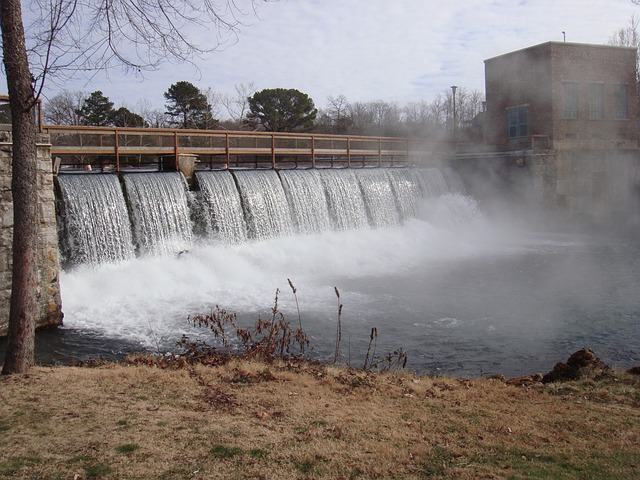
pixel 596 101
pixel 517 122
pixel 570 100
pixel 621 100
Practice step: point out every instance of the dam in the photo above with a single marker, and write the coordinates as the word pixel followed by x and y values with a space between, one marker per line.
pixel 412 253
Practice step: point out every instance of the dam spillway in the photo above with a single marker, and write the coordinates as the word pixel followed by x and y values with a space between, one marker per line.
pixel 103 219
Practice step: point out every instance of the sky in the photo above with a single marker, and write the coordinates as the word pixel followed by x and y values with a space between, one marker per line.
pixel 396 51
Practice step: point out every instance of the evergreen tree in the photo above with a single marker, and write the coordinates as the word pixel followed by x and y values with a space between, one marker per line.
pixel 188 107
pixel 282 110
pixel 123 117
pixel 97 110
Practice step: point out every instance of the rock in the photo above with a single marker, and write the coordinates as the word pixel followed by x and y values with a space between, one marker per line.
pixel 583 363
pixel 634 370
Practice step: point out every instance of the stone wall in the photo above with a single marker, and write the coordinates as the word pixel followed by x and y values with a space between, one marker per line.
pixel 49 303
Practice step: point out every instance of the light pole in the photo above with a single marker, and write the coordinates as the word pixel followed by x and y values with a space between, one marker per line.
pixel 455 118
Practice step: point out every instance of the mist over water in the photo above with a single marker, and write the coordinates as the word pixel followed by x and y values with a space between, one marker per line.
pixel 458 291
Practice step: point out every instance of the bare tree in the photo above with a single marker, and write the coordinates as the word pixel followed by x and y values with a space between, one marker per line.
pixel 337 113
pixel 469 104
pixel 385 117
pixel 154 117
pixel 237 105
pixel 419 119
pixel 67 37
pixel 63 108
pixel 629 36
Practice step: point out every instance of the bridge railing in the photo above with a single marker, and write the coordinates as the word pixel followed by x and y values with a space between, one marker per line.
pixel 117 148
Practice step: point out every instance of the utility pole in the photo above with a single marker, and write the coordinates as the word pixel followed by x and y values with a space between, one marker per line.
pixel 455 117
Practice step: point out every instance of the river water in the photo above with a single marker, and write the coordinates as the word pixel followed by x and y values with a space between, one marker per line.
pixel 460 292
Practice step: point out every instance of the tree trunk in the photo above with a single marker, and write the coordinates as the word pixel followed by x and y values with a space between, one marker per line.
pixel 24 183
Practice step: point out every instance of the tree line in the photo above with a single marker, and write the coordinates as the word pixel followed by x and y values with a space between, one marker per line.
pixel 276 109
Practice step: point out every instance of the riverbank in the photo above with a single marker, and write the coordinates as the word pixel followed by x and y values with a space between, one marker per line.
pixel 250 419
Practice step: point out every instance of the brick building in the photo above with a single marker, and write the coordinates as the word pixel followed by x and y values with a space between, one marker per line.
pixel 562 96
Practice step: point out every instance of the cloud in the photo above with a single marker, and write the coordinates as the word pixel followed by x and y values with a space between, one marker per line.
pixel 401 51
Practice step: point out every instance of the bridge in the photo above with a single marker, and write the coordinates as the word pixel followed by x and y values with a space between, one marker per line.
pixel 122 149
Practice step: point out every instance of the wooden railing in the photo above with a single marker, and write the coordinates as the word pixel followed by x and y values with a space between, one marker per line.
pixel 121 148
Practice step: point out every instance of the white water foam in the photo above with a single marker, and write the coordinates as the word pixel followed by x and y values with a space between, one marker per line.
pixel 151 297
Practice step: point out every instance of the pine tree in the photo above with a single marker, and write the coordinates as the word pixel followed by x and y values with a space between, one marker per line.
pixel 282 110
pixel 188 107
pixel 97 110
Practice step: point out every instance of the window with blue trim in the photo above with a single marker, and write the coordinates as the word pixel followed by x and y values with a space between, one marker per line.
pixel 517 122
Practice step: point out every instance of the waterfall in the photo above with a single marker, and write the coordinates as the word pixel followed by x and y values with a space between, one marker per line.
pixel 224 219
pixel 432 182
pixel 345 200
pixel 160 211
pixel 230 207
pixel 406 186
pixel 307 199
pixel 379 197
pixel 264 202
pixel 95 224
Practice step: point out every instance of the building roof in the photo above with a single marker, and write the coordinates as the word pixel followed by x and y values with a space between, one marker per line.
pixel 562 45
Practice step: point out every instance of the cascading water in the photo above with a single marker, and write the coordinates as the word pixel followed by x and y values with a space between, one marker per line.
pixel 265 204
pixel 344 197
pixel 232 207
pixel 160 212
pixel 95 224
pixel 223 208
pixel 306 195
pixel 406 187
pixel 432 183
pixel 379 198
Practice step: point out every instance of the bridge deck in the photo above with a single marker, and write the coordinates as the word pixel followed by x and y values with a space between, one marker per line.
pixel 121 147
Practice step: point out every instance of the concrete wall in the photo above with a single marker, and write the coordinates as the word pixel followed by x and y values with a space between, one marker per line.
pixel 603 185
pixel 49 303
pixel 595 188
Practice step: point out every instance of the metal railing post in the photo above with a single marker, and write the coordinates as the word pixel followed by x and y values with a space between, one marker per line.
pixel 116 145
pixel 227 148
pixel 175 150
pixel 273 151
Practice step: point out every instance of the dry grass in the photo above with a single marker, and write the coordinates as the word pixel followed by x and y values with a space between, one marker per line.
pixel 248 419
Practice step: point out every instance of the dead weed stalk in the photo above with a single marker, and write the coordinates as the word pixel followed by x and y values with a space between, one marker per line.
pixel 266 340
pixel 338 327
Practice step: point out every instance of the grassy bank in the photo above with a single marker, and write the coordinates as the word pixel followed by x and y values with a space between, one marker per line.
pixel 249 419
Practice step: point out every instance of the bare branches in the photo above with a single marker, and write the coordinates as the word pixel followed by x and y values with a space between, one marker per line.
pixel 629 36
pixel 70 36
